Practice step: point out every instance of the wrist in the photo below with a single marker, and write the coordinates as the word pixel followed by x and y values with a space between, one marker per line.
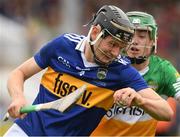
pixel 141 102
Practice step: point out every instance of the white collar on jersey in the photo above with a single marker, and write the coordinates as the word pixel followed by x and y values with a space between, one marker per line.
pixel 81 46
pixel 144 71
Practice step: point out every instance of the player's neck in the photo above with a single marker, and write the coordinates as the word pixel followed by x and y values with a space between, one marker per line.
pixel 88 53
pixel 142 65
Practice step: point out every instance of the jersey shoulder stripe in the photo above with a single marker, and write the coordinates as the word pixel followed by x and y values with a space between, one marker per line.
pixel 74 37
pixel 176 86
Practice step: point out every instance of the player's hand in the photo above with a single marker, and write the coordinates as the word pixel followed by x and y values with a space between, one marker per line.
pixel 127 97
pixel 15 106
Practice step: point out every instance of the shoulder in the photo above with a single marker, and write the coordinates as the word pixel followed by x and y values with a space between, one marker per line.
pixel 67 37
pixel 161 63
pixel 125 68
pixel 64 41
pixel 165 68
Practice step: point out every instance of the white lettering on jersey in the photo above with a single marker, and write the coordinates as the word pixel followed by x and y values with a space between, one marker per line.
pixel 122 61
pixel 64 61
pixel 127 114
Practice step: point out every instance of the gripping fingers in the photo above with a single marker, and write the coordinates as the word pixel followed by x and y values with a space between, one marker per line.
pixel 23 115
pixel 14 112
pixel 7 115
pixel 129 99
pixel 116 97
pixel 124 97
pixel 125 102
pixel 121 103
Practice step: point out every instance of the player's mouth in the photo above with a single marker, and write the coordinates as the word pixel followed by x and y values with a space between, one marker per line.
pixel 134 49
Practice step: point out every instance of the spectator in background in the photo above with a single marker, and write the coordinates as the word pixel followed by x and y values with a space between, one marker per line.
pixel 45 24
pixel 13 40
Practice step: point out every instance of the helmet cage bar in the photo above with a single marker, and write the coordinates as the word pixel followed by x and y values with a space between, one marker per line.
pixel 107 33
pixel 99 62
pixel 97 38
pixel 141 59
pixel 144 28
pixel 92 43
pixel 148 29
pixel 120 35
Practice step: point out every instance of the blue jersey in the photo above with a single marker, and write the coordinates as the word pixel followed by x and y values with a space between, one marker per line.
pixel 67 70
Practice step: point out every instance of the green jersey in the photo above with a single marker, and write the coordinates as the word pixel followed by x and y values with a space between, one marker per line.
pixel 161 76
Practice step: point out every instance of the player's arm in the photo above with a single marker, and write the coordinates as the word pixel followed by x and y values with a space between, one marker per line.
pixel 15 85
pixel 147 99
pixel 156 106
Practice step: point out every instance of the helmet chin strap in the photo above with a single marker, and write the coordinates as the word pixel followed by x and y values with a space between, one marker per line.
pixel 141 59
pixel 138 60
pixel 98 61
pixel 92 43
pixel 97 38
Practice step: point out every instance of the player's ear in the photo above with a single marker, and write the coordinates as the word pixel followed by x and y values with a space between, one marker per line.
pixel 95 31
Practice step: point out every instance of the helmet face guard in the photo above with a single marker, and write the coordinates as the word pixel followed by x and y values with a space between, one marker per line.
pixel 144 21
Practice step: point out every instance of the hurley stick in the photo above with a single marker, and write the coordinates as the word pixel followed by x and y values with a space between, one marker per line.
pixel 61 104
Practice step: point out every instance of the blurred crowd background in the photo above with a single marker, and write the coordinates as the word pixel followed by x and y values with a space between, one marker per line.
pixel 26 25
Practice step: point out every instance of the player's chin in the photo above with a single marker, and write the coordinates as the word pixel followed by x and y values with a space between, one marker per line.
pixel 107 61
pixel 133 55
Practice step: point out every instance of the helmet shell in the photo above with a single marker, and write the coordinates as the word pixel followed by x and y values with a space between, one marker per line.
pixel 144 21
pixel 114 22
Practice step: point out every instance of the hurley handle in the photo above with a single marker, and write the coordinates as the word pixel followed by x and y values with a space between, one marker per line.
pixel 29 108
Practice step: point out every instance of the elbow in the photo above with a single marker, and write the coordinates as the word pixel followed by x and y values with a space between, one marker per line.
pixel 168 115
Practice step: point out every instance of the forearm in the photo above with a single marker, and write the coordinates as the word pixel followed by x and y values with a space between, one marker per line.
pixel 15 88
pixel 158 109
pixel 147 99
pixel 19 75
pixel 15 84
